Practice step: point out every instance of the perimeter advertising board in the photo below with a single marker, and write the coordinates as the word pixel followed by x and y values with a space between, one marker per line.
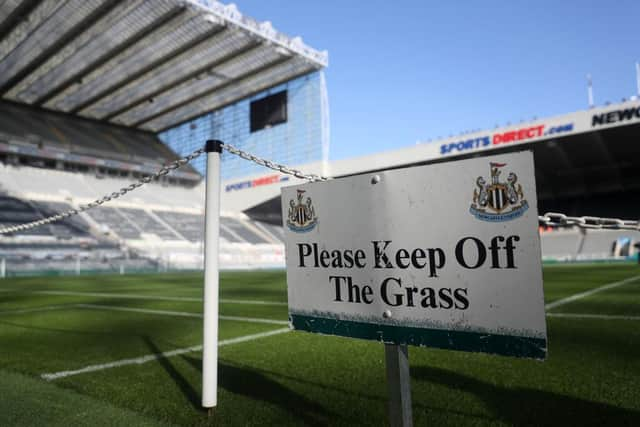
pixel 444 256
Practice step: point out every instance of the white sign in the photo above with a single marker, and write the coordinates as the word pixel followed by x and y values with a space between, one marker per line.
pixel 444 255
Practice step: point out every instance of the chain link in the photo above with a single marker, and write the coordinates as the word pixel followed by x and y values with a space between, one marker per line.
pixel 271 165
pixel 553 219
pixel 176 164
pixel 550 219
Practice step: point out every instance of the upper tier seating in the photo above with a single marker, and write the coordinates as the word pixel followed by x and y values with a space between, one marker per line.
pixel 48 182
pixel 80 136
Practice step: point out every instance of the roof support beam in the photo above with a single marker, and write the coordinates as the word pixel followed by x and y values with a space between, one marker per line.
pixel 569 171
pixel 611 163
pixel 175 83
pixel 165 19
pixel 71 34
pixel 122 83
pixel 18 15
pixel 213 90
pixel 218 107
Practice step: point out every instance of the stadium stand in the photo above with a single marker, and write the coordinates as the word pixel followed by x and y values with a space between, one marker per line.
pixel 161 222
pixel 561 244
pixel 86 99
pixel 76 136
pixel 161 226
pixel 92 103
pixel 14 212
pixel 73 226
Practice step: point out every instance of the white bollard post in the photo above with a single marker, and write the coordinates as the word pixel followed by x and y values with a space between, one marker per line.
pixel 3 268
pixel 211 245
pixel 121 269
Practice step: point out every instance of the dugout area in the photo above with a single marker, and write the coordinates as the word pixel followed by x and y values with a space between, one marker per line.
pixel 80 349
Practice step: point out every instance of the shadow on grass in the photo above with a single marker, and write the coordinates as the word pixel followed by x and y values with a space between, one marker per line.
pixel 577 338
pixel 377 399
pixel 257 386
pixel 518 406
pixel 185 387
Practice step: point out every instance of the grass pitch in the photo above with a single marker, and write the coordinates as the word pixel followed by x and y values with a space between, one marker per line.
pixel 83 351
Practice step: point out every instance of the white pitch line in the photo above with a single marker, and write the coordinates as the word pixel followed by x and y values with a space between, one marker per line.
pixel 151 357
pixel 181 314
pixel 250 302
pixel 593 316
pixel 254 320
pixel 140 310
pixel 581 295
pixel 145 297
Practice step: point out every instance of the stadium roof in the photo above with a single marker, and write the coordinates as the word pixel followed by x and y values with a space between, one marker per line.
pixel 577 155
pixel 138 63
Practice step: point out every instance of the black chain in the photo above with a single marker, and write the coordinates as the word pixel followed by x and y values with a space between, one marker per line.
pixel 550 219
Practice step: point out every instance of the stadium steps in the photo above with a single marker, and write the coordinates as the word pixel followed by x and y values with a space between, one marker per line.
pixel 147 224
pixel 276 233
pixel 244 230
pixel 166 224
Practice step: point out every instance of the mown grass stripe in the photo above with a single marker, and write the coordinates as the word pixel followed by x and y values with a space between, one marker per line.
pixel 145 297
pixel 585 294
pixel 593 316
pixel 155 356
pixel 251 302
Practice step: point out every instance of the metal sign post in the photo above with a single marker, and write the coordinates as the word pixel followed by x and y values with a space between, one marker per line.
pixel 213 149
pixel 399 385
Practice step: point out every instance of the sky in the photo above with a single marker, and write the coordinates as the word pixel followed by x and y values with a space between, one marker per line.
pixel 408 70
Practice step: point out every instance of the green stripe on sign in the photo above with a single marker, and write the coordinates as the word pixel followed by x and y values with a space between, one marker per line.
pixel 505 345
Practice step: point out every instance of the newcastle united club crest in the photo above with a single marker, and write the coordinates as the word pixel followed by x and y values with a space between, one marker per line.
pixel 302 217
pixel 497 200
